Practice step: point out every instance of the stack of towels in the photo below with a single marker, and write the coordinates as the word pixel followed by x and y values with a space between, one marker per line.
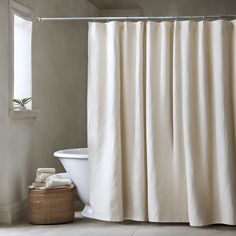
pixel 46 178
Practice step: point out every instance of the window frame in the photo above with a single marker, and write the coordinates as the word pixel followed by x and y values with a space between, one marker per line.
pixel 21 11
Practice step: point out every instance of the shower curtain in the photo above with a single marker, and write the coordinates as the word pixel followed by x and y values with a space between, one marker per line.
pixel 162 121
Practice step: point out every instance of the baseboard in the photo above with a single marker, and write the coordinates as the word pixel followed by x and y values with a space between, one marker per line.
pixel 13 212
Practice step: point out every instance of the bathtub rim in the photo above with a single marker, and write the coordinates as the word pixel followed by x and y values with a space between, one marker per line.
pixel 72 153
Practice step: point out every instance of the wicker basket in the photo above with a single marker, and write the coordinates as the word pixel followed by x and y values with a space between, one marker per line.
pixel 51 206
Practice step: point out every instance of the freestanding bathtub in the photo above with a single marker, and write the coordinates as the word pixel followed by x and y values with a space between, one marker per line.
pixel 75 162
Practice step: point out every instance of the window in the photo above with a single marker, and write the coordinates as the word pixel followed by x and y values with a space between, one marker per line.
pixel 22 87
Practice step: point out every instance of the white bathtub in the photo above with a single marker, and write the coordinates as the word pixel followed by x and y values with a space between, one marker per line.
pixel 75 162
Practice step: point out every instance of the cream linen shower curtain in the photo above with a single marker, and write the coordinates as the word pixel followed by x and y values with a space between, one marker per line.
pixel 162 120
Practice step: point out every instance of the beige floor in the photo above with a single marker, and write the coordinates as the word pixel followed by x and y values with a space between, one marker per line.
pixel 86 227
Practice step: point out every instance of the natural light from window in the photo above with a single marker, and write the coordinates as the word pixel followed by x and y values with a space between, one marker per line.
pixel 22 59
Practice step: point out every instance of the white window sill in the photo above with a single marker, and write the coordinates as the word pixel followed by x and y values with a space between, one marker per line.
pixel 23 114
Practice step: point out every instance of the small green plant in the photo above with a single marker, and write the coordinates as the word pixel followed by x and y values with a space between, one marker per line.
pixel 22 102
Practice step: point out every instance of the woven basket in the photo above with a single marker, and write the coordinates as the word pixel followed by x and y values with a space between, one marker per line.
pixel 51 206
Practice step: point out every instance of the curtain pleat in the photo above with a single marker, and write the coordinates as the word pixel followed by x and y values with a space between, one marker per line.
pixel 161 121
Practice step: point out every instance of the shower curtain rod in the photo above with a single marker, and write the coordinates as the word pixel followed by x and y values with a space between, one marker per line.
pixel 104 18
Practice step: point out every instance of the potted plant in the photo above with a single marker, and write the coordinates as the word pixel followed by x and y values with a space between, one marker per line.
pixel 20 104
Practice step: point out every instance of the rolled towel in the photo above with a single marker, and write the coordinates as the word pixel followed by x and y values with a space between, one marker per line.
pixel 51 183
pixel 41 178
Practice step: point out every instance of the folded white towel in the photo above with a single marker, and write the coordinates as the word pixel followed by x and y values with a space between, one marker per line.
pixel 46 170
pixel 55 187
pixel 37 184
pixel 50 183
pixel 63 175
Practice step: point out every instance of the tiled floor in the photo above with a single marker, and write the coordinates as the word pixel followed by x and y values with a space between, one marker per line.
pixel 87 227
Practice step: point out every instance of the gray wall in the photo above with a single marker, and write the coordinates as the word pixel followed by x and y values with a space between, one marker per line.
pixel 189 7
pixel 59 92
pixel 4 76
pixel 15 136
pixel 59 79
pixel 172 7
